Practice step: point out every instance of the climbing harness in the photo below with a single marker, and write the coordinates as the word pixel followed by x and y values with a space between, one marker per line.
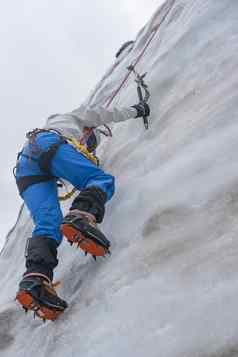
pixel 83 149
pixel 45 158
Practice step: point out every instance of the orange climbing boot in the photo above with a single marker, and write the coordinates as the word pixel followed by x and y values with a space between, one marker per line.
pixel 37 293
pixel 81 228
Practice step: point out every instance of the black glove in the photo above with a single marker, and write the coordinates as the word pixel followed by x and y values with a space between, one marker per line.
pixel 143 109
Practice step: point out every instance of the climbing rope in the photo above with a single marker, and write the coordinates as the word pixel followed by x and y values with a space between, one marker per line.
pixel 83 150
pixel 67 195
pixel 138 59
pixel 131 68
pixel 139 79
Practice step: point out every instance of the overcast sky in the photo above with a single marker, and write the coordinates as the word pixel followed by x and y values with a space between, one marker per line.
pixel 52 54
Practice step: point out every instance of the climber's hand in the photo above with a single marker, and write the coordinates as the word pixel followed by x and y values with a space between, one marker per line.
pixel 142 109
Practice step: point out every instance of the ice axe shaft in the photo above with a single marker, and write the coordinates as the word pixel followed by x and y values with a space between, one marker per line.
pixel 141 84
pixel 140 95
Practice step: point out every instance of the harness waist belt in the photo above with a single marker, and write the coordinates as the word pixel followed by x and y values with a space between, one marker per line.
pixel 25 181
pixel 44 162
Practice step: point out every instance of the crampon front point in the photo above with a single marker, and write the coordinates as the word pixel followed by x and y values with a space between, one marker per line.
pixel 88 238
pixel 28 303
pixel 45 309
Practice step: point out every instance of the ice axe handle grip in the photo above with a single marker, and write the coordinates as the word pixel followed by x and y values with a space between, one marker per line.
pixel 139 91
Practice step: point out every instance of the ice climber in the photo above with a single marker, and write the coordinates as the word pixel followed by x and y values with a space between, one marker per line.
pixel 50 154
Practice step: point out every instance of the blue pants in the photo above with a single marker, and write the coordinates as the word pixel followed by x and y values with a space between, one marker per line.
pixel 69 164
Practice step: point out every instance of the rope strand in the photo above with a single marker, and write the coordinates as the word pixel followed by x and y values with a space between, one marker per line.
pixel 133 65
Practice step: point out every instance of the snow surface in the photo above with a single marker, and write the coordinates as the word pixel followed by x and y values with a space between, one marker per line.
pixel 170 288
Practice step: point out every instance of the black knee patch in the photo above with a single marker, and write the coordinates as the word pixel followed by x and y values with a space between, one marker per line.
pixel 91 200
pixel 41 256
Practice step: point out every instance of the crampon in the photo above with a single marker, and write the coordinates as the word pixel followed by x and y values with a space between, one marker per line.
pixel 78 230
pixel 38 295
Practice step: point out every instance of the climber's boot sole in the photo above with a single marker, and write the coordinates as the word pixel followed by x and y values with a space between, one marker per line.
pixel 29 303
pixel 88 238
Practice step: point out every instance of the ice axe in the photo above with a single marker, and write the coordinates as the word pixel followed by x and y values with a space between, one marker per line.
pixel 141 84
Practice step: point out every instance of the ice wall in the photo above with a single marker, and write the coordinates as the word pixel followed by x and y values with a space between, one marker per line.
pixel 170 287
